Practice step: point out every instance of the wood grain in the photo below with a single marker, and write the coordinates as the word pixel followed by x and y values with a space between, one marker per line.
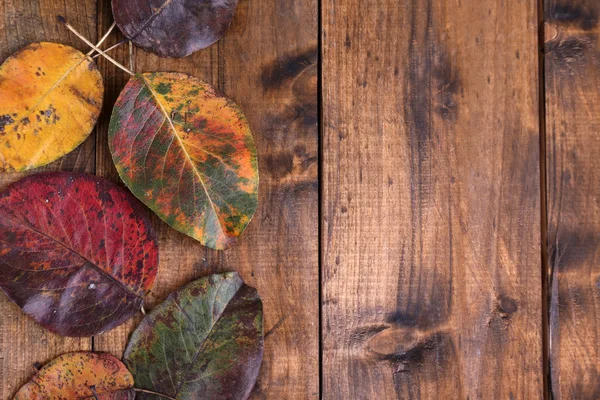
pixel 572 71
pixel 431 200
pixel 267 64
pixel 23 342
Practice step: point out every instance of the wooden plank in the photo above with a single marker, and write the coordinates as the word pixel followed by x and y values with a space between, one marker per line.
pixel 572 74
pixel 431 200
pixel 267 64
pixel 23 342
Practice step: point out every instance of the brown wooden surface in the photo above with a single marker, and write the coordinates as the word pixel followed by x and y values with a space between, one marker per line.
pixel 572 73
pixel 432 280
pixel 431 200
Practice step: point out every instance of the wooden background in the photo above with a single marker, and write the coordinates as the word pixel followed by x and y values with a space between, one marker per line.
pixel 429 220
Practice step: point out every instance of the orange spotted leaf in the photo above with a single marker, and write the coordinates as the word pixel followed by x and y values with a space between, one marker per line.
pixel 80 375
pixel 187 152
pixel 51 96
pixel 77 252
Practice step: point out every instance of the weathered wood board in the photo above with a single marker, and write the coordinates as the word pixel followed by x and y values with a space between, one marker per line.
pixel 431 261
pixel 572 81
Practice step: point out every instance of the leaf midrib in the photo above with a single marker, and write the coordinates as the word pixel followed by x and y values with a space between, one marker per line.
pixel 187 155
pixel 33 229
pixel 214 323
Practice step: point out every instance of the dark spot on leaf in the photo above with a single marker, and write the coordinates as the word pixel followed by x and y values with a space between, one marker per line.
pixel 81 96
pixel 106 197
pixel 4 121
pixel 163 88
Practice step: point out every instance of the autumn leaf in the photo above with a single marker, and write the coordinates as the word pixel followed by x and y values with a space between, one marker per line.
pixel 187 153
pixel 51 98
pixel 80 375
pixel 173 28
pixel 77 252
pixel 205 341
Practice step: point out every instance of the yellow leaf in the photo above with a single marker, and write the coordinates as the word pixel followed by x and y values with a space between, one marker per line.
pixel 50 99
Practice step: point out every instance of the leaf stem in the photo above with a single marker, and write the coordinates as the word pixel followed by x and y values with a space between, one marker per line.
pixel 114 46
pixel 154 393
pixel 109 58
pixel 131 55
pixel 103 38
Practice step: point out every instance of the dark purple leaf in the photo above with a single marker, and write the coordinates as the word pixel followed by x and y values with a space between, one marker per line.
pixel 173 28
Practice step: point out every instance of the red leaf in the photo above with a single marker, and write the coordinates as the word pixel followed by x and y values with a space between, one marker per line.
pixel 77 252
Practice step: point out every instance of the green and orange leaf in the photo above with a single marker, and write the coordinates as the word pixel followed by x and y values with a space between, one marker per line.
pixel 80 375
pixel 187 152
pixel 205 341
pixel 51 96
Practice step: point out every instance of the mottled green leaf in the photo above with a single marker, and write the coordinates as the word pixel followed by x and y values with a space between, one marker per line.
pixel 205 341
pixel 187 152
